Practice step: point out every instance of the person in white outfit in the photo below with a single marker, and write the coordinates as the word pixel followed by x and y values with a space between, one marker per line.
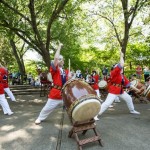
pixel 4 73
pixel 117 82
pixel 3 101
pixel 59 77
pixel 5 105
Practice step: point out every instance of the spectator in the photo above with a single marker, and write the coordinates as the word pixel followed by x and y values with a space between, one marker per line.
pixel 139 72
pixel 37 82
pixel 105 72
pixel 79 74
pixel 146 73
pixel 25 78
pixel 29 76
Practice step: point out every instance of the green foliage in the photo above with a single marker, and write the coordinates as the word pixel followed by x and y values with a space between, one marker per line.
pixel 89 39
pixel 6 57
pixel 138 53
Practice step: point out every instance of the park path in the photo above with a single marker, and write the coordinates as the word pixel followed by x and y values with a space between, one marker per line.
pixel 119 130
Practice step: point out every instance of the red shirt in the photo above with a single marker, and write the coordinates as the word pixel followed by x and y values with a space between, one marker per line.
pixel 139 70
pixel 1 88
pixel 1 80
pixel 4 74
pixel 117 78
pixel 95 85
pixel 57 80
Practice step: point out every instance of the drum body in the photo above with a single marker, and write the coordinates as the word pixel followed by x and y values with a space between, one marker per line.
pixel 139 86
pixel 103 85
pixel 147 92
pixel 80 100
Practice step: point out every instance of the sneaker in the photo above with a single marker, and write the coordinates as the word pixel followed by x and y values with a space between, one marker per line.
pixel 11 113
pixel 14 100
pixel 96 118
pixel 135 112
pixel 37 121
pixel 111 106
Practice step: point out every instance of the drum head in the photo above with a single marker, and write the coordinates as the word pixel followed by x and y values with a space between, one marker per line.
pixel 102 84
pixel 134 83
pixel 86 110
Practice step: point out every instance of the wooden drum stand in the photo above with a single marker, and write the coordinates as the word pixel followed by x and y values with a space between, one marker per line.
pixel 84 127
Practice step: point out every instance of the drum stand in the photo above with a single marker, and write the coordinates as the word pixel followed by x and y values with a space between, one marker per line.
pixel 140 98
pixel 84 127
pixel 137 97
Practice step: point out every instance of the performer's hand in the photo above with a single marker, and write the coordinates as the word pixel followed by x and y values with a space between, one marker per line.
pixel 60 44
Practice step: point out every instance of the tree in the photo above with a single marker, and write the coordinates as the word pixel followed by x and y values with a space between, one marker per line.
pixel 120 17
pixel 33 22
pixel 6 56
pixel 19 53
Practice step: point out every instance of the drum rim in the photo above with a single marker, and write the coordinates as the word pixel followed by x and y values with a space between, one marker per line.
pixel 135 82
pixel 69 81
pixel 78 107
pixel 103 86
pixel 79 100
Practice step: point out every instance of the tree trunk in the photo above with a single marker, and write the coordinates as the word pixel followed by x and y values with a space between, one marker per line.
pixel 20 61
pixel 46 56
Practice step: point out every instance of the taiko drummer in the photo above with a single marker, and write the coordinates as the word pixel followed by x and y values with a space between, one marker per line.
pixel 117 82
pixel 59 77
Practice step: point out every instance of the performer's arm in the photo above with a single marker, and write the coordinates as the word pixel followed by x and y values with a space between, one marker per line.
pixel 56 57
pixel 121 59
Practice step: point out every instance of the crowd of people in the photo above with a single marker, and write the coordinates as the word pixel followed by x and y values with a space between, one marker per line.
pixel 115 78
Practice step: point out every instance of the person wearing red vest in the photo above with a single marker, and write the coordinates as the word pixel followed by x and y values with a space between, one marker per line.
pixel 115 89
pixel 59 77
pixel 3 101
pixel 95 80
pixel 94 85
pixel 5 83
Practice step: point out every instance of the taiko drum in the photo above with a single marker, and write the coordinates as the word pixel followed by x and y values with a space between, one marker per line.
pixel 139 86
pixel 80 100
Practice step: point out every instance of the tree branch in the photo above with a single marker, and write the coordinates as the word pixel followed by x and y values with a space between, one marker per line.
pixel 133 13
pixel 54 16
pixel 116 32
pixel 33 22
pixel 14 10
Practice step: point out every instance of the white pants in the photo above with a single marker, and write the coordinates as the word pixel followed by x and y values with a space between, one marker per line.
pixel 48 108
pixel 4 104
pixel 110 99
pixel 98 93
pixel 9 93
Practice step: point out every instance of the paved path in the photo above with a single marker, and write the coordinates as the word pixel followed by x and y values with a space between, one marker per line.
pixel 119 130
